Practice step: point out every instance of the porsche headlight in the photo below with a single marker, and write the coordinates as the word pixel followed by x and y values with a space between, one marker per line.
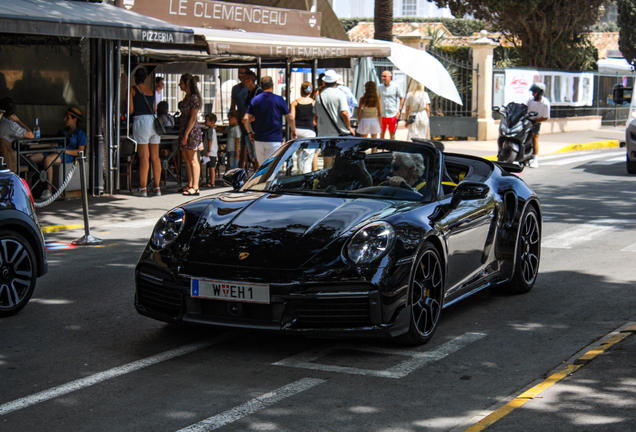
pixel 167 229
pixel 370 243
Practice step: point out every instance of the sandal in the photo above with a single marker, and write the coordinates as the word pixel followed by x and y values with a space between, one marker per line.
pixel 208 186
pixel 188 193
pixel 183 189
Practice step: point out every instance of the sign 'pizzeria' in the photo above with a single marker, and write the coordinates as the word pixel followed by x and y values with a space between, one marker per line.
pixel 229 16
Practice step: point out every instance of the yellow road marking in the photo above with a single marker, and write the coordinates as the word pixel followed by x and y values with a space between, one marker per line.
pixel 550 381
pixel 54 228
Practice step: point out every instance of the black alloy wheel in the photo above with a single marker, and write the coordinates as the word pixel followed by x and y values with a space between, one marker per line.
pixel 528 253
pixel 18 272
pixel 426 296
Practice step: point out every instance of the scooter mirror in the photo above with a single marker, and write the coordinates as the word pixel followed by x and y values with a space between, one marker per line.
pixel 496 109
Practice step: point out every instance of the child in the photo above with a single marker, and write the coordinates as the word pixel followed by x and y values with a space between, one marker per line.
pixel 162 114
pixel 233 139
pixel 211 146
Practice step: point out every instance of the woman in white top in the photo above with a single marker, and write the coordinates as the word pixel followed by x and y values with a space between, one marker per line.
pixel 369 112
pixel 418 104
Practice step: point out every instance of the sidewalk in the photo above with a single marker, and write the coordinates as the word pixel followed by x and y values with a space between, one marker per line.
pixel 108 209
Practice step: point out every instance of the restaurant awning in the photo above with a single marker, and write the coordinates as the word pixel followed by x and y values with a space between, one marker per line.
pixel 87 19
pixel 295 48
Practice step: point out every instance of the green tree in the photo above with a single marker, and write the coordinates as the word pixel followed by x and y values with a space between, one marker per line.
pixel 626 24
pixel 383 20
pixel 547 33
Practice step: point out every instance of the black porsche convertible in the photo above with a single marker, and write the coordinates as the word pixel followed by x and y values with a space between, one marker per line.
pixel 343 236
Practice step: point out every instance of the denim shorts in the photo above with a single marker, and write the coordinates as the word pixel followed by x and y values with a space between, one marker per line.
pixel 144 130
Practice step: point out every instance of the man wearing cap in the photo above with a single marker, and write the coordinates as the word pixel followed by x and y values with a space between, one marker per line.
pixel 331 111
pixel 391 101
pixel 75 143
pixel 11 129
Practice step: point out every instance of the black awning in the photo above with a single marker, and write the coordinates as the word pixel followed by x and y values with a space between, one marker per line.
pixel 86 19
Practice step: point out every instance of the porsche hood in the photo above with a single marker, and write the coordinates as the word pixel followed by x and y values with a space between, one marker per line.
pixel 274 231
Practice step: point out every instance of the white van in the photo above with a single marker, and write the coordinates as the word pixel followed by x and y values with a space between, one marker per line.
pixel 620 96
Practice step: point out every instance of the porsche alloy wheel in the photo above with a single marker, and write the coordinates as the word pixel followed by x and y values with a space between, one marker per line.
pixel 17 272
pixel 528 253
pixel 426 296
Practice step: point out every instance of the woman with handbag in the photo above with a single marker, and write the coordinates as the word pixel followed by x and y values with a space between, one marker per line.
pixel 190 135
pixel 369 112
pixel 142 109
pixel 418 110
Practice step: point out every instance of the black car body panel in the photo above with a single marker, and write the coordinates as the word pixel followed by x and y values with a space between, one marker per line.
pixel 292 232
pixel 17 213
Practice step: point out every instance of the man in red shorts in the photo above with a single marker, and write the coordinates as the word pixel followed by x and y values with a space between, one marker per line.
pixel 391 101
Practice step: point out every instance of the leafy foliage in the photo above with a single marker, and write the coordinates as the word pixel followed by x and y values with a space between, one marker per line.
pixel 627 22
pixel 547 33
pixel 457 27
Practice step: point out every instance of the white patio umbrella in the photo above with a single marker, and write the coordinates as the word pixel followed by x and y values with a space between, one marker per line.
pixel 423 68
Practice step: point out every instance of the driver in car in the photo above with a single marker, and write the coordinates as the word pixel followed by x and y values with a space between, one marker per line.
pixel 407 171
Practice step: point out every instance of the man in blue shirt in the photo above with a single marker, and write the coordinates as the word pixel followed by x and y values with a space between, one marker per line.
pixel 263 121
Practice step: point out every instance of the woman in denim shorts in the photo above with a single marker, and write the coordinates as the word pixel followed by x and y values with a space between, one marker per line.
pixel 144 132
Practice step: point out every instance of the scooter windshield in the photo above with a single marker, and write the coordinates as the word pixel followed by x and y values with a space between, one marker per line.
pixel 515 111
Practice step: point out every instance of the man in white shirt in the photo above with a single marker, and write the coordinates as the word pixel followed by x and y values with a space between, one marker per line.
pixel 541 105
pixel 159 85
pixel 391 101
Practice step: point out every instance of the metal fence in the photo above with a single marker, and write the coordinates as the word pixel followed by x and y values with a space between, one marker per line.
pixel 611 114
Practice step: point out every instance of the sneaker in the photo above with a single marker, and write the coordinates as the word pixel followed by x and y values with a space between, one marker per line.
pixel 140 192
pixel 46 194
pixel 534 163
pixel 156 191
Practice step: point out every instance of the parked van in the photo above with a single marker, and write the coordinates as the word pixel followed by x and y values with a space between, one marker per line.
pixel 622 95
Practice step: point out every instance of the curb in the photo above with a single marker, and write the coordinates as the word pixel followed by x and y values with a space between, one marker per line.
pixel 578 147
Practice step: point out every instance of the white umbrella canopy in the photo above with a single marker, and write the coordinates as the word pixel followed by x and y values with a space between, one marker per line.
pixel 425 69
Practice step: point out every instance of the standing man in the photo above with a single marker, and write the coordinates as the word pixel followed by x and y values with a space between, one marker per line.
pixel 159 85
pixel 541 105
pixel 351 99
pixel 263 121
pixel 253 90
pixel 391 101
pixel 331 111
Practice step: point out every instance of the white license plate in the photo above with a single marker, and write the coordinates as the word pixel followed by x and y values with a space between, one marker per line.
pixel 231 291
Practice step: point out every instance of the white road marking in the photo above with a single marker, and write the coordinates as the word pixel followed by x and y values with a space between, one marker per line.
pixel 139 223
pixel 79 384
pixel 261 402
pixel 609 161
pixel 630 248
pixel 418 359
pixel 582 233
pixel 580 158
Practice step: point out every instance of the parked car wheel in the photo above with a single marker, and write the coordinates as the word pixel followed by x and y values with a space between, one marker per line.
pixel 427 294
pixel 528 254
pixel 18 272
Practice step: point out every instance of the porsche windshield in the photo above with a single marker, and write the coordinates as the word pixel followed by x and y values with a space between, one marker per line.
pixel 350 167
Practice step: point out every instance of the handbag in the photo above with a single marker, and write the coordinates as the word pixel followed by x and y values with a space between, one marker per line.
pixel 332 121
pixel 411 119
pixel 159 127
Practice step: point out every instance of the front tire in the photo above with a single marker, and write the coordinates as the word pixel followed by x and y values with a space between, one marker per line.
pixel 507 154
pixel 426 296
pixel 528 254
pixel 631 166
pixel 18 272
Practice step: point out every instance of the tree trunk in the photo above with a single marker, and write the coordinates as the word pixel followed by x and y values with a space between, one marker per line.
pixel 383 20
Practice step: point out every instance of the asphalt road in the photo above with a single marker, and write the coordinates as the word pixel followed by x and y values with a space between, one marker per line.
pixel 79 358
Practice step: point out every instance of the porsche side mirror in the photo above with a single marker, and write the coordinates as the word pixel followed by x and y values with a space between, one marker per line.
pixel 468 191
pixel 235 178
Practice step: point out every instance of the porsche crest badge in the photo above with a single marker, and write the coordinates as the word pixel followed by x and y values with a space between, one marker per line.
pixel 243 255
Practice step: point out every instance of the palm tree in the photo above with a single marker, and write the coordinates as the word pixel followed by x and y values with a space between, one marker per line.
pixel 383 20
